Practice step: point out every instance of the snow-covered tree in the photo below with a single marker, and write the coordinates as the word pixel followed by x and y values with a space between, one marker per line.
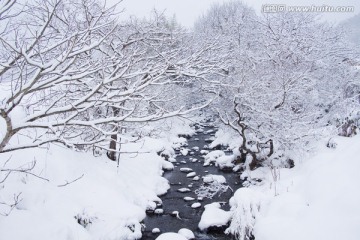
pixel 286 80
pixel 74 76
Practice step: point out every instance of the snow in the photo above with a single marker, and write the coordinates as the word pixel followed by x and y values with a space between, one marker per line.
pixel 184 151
pixel 191 174
pixel 214 178
pixel 183 190
pixel 221 160
pixel 113 199
pixel 317 199
pixel 175 214
pixel 179 142
pixel 203 152
pixel 171 236
pixel 159 211
pixel 196 178
pixel 189 198
pixel 225 161
pixel 167 165
pixel 186 170
pixel 186 233
pixel 321 198
pixel 225 137
pixel 196 205
pixel 213 216
pixel 245 206
pixel 212 156
pixel 196 148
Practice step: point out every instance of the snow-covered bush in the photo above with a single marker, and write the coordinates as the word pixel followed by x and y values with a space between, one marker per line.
pixel 84 219
pixel 245 206
pixel 331 143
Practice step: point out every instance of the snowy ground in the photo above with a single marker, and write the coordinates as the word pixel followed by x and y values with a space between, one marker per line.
pixel 318 199
pixel 110 201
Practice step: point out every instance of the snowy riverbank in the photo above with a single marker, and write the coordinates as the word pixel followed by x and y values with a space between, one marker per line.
pixel 318 199
pixel 80 188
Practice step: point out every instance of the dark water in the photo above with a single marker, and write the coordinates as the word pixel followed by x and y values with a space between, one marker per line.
pixel 173 200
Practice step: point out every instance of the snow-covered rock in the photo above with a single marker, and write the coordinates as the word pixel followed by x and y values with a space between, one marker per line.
pixel 186 170
pixel 213 156
pixel 191 174
pixel 225 161
pixel 210 131
pixel 168 166
pixel 189 198
pixel 171 236
pixel 184 151
pixel 175 214
pixel 196 205
pixel 151 206
pixel 179 142
pixel 204 152
pixel 155 230
pixel 159 211
pixel 184 190
pixel 214 216
pixel 226 138
pixel 210 139
pixel 196 148
pixel 214 178
pixel 196 178
pixel 186 233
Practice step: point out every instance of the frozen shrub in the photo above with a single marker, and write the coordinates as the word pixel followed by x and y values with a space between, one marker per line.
pixel 211 189
pixel 331 144
pixel 245 207
pixel 84 219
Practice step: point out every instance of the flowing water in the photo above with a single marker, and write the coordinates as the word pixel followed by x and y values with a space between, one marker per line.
pixel 173 200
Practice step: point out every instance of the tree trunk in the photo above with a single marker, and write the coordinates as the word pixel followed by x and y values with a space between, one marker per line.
pixel 112 153
pixel 9 130
pixel 113 138
pixel 271 147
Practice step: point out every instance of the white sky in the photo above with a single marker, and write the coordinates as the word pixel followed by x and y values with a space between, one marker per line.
pixel 187 11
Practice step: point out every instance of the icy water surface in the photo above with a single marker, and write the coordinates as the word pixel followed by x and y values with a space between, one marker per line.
pixel 173 200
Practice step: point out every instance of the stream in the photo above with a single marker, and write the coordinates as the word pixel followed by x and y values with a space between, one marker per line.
pixel 173 200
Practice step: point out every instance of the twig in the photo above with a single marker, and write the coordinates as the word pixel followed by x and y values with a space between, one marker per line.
pixel 13 205
pixel 22 170
pixel 67 183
